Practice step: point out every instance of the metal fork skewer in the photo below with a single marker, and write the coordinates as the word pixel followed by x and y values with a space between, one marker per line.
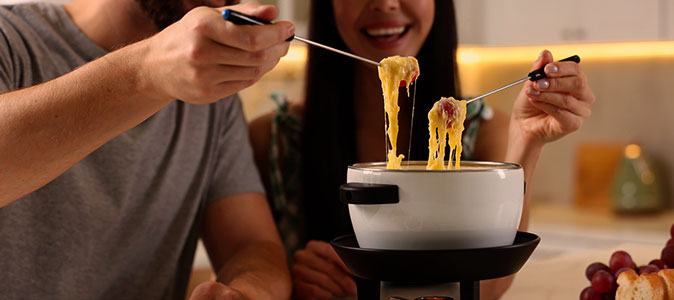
pixel 310 42
pixel 533 76
pixel 498 90
pixel 243 19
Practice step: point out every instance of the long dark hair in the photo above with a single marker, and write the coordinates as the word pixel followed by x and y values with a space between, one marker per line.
pixel 328 141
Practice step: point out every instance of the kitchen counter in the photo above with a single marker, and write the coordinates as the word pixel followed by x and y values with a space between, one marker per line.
pixel 571 239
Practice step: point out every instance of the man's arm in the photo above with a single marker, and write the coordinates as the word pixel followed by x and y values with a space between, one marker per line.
pixel 244 247
pixel 46 129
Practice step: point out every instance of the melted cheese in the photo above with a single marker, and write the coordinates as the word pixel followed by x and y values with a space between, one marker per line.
pixel 438 119
pixel 392 71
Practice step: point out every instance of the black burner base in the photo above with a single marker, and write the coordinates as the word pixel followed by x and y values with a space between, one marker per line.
pixel 466 266
pixel 371 289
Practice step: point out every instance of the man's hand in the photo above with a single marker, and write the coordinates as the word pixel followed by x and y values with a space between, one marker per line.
pixel 319 273
pixel 202 58
pixel 212 290
pixel 551 108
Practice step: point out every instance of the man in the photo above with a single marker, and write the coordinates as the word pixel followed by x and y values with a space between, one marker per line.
pixel 106 180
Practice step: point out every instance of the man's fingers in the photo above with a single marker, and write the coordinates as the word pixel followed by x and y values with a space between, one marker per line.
pixel 255 37
pixel 264 12
pixel 221 54
pixel 209 23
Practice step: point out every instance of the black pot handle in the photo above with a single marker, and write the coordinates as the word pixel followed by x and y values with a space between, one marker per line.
pixel 368 193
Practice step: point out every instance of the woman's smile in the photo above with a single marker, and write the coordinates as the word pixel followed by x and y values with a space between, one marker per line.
pixel 378 29
pixel 386 35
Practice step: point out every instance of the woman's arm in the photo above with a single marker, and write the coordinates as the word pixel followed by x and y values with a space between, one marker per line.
pixel 543 112
pixel 491 145
pixel 260 139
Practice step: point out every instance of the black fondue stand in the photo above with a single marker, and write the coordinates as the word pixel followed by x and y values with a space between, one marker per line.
pixel 465 266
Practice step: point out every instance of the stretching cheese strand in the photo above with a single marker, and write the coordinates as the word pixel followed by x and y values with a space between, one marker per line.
pixel 446 111
pixel 393 70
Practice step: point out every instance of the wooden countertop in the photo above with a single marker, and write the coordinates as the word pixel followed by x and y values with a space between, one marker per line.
pixel 573 238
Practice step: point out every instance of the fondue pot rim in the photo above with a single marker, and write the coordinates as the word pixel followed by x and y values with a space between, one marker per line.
pixel 489 166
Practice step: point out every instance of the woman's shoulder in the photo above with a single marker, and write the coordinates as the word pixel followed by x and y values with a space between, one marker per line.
pixel 296 108
pixel 260 126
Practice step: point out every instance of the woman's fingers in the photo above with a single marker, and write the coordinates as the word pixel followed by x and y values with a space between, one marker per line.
pixel 315 260
pixel 567 121
pixel 326 251
pixel 563 101
pixel 544 58
pixel 575 85
pixel 305 290
pixel 566 77
pixel 305 274
pixel 563 68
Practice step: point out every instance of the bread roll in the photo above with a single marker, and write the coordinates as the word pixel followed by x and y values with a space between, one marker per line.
pixel 668 277
pixel 641 287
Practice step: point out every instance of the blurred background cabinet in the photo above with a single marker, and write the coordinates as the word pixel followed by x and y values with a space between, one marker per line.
pixel 526 22
pixel 516 22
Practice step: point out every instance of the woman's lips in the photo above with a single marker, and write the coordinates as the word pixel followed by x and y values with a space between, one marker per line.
pixel 377 32
pixel 386 37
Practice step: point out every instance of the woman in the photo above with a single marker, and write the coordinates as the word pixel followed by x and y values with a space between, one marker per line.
pixel 341 122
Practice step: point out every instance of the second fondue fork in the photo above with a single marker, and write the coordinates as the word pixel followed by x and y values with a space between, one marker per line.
pixel 533 76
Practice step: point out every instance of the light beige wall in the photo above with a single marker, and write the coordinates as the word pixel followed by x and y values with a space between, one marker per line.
pixel 634 105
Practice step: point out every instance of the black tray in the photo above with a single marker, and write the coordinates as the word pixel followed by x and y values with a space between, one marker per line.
pixel 411 266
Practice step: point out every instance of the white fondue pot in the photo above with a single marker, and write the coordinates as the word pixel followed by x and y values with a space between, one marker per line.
pixel 478 206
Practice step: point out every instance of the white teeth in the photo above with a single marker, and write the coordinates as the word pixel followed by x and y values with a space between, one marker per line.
pixel 386 31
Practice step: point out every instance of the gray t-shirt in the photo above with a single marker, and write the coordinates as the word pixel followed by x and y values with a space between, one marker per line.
pixel 123 222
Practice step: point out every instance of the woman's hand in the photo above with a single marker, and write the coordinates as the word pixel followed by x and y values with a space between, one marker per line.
pixel 319 273
pixel 553 107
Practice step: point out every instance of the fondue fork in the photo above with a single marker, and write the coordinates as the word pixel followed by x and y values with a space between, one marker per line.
pixel 533 76
pixel 243 19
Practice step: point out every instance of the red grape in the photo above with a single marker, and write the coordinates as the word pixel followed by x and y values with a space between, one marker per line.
pixel 648 269
pixel 594 267
pixel 658 263
pixel 671 231
pixel 667 255
pixel 603 281
pixel 609 296
pixel 590 294
pixel 670 242
pixel 621 259
pixel 622 270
